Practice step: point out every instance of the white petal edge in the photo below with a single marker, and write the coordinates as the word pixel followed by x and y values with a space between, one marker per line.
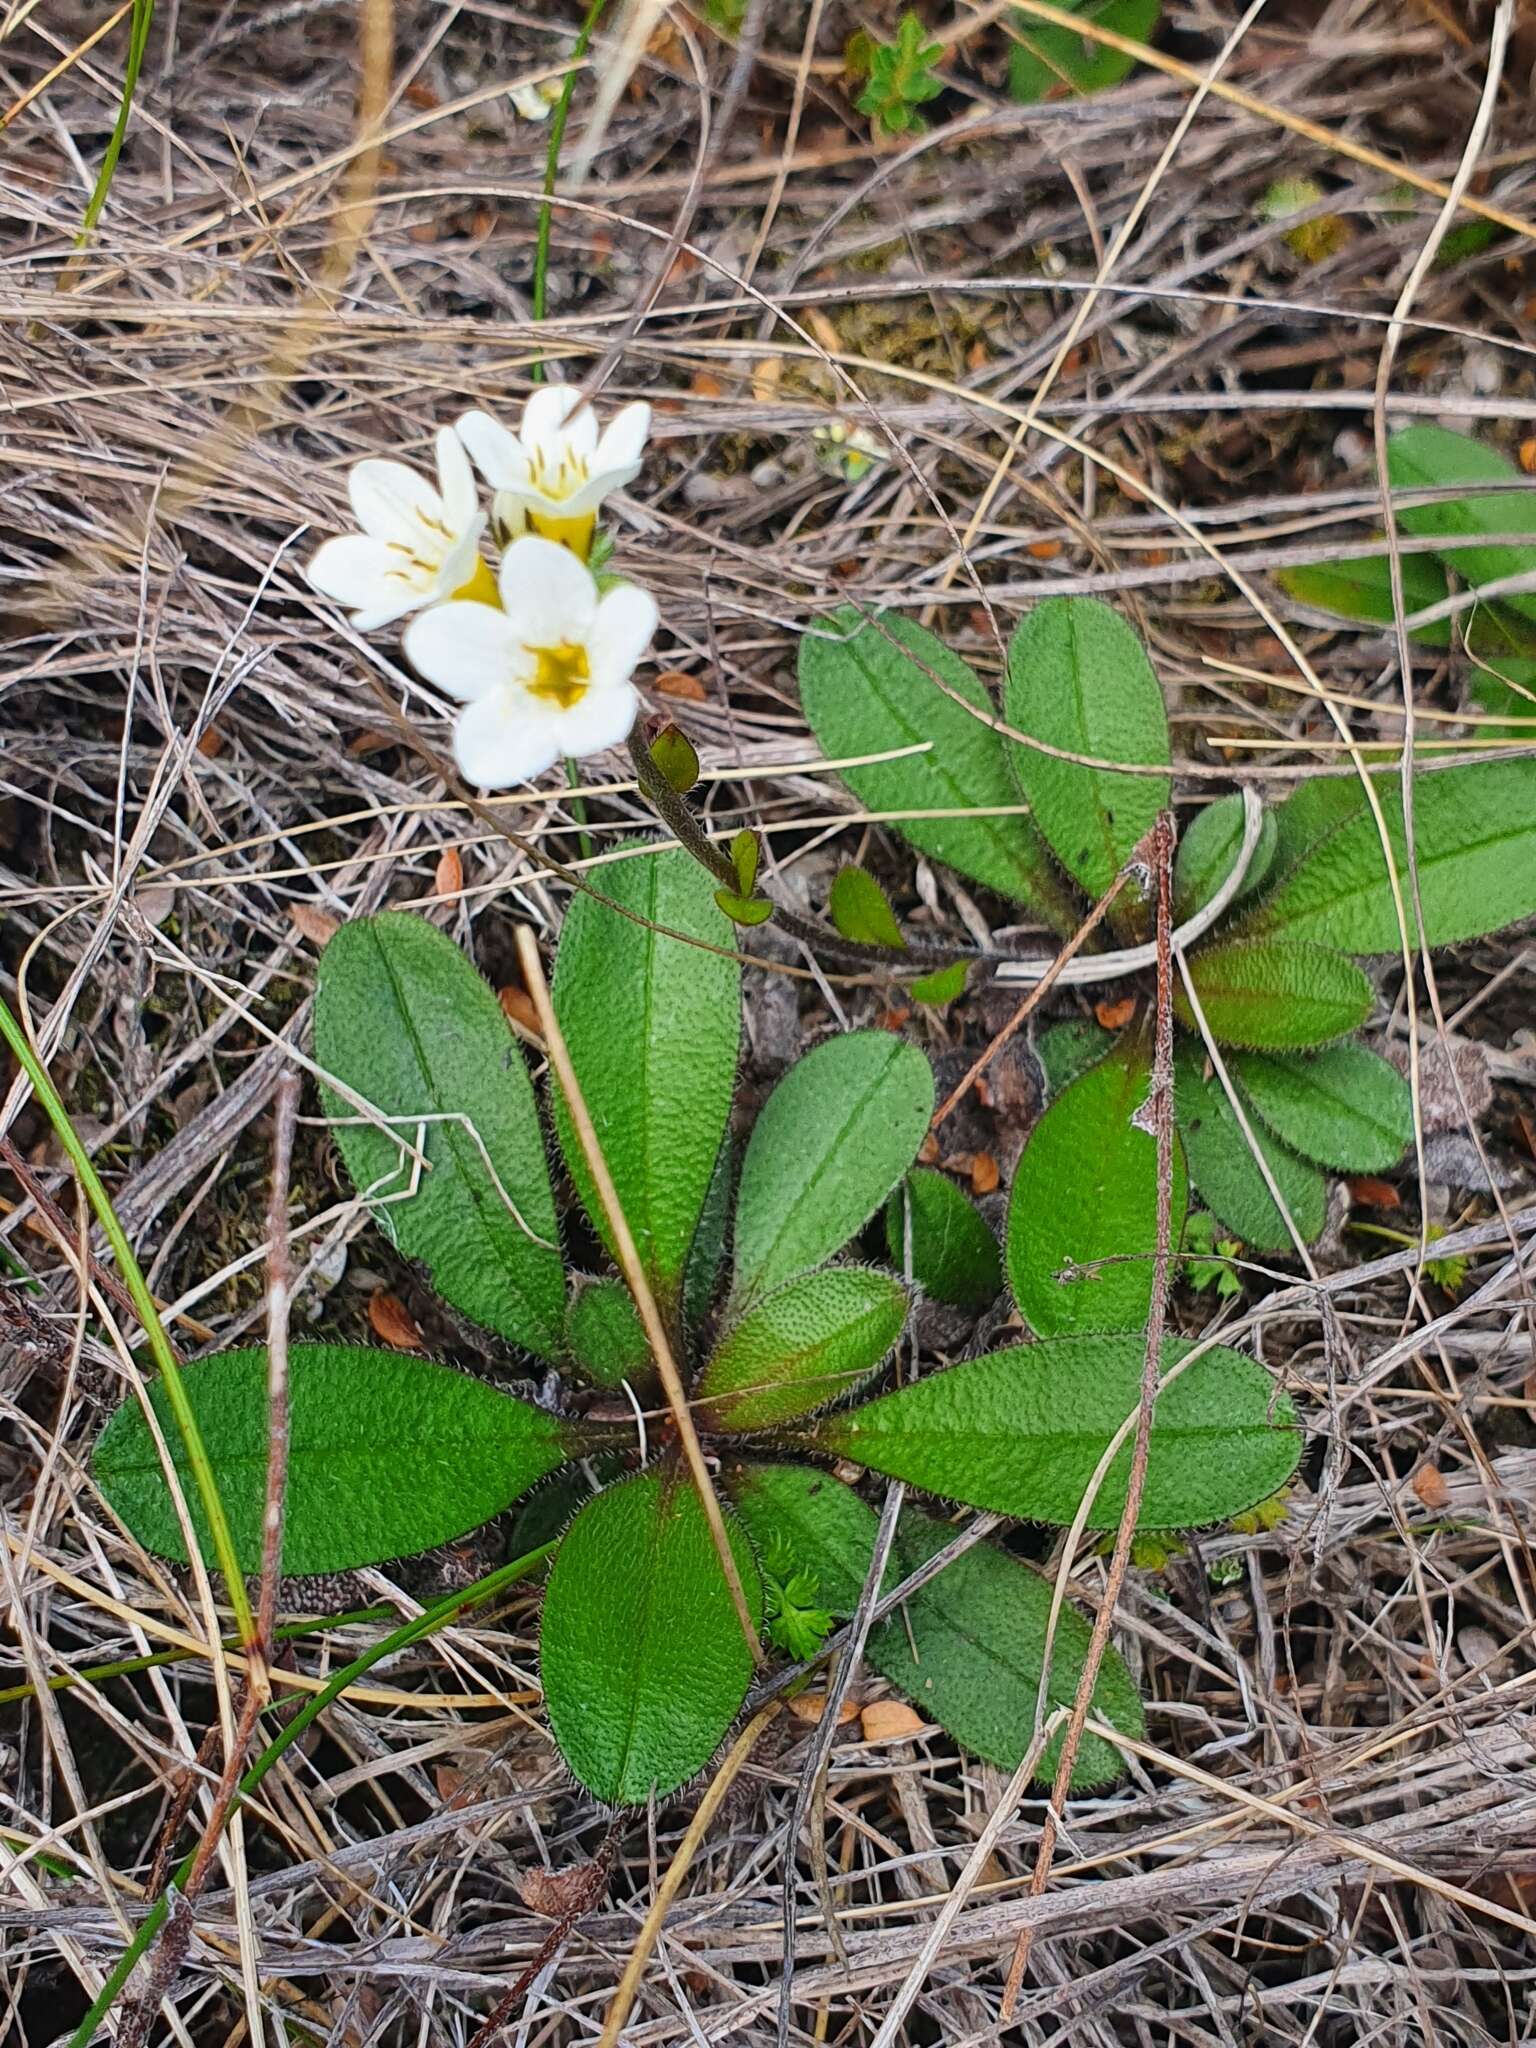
pixel 621 632
pixel 601 720
pixel 623 441
pixel 495 451
pixel 352 569
pixel 549 596
pixel 456 481
pixel 390 500
pixel 548 421
pixel 505 738
pixel 466 649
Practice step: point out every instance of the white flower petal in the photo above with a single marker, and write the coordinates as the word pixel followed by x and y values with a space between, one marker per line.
pixel 626 619
pixel 504 738
pixel 364 575
pixel 509 518
pixel 456 481
pixel 601 720
pixel 466 649
pixel 391 502
pixel 531 103
pixel 548 423
pixel 549 596
pixel 458 564
pixel 497 453
pixel 622 445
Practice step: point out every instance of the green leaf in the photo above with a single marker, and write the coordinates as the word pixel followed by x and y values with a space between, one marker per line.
pixel 1086 1189
pixel 862 911
pixel 676 757
pixel 1425 456
pixel 1506 694
pixel 954 1254
pixel 1079 680
pixel 1068 1049
pixel 1045 59
pixel 1475 838
pixel 745 910
pixel 404 1021
pixel 1223 1170
pixel 653 1025
pixel 643 1660
pixel 745 854
pixel 1022 1431
pixel 388 1454
pixel 1208 850
pixel 606 1336
pixel 1344 1107
pixel 1275 994
pixel 943 986
pixel 806 1344
pixel 966 1648
pixel 709 1240
pixel 866 688
pixel 1312 810
pixel 1360 589
pixel 833 1139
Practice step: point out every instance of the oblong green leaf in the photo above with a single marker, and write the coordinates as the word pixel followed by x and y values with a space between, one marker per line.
pixel 605 1333
pixel 1045 60
pixel 1475 839
pixel 954 1254
pixel 388 1454
pixel 643 1660
pixel 968 1647
pixel 808 1343
pixel 1360 589
pixel 1273 995
pixel 1208 850
pixel 862 911
pixel 1424 456
pixel 1222 1166
pixel 1079 680
pixel 868 687
pixel 1086 1189
pixel 1022 1431
pixel 403 1020
pixel 654 1026
pixel 832 1140
pixel 1345 1107
pixel 1068 1049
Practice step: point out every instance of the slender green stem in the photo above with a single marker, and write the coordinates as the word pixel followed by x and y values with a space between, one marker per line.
pixel 138 40
pixel 129 1667
pixel 552 172
pixel 399 1639
pixel 579 810
pixel 144 1305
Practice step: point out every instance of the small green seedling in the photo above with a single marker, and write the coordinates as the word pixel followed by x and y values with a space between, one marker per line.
pixel 783 1341
pixel 901 79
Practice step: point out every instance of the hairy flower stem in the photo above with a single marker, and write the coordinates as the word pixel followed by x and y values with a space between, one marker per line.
pixel 678 817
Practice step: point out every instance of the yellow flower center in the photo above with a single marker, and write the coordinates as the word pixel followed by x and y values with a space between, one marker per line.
pixel 563 675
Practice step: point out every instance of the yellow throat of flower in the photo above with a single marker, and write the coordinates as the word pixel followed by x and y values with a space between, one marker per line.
pixel 575 534
pixel 563 675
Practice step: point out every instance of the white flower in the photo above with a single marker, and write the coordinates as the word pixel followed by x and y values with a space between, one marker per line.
pixel 548 674
pixel 417 545
pixel 556 470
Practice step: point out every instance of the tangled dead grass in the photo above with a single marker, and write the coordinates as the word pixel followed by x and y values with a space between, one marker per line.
pixel 1327 1837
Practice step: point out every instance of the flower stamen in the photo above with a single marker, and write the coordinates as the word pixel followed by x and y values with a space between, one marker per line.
pixel 563 676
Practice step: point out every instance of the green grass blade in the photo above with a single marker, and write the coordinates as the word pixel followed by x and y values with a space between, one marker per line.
pixel 138 41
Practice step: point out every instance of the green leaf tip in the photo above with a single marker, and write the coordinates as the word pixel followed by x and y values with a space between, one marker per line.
pixel 389 1454
pixel 642 1657
pixel 1021 1432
